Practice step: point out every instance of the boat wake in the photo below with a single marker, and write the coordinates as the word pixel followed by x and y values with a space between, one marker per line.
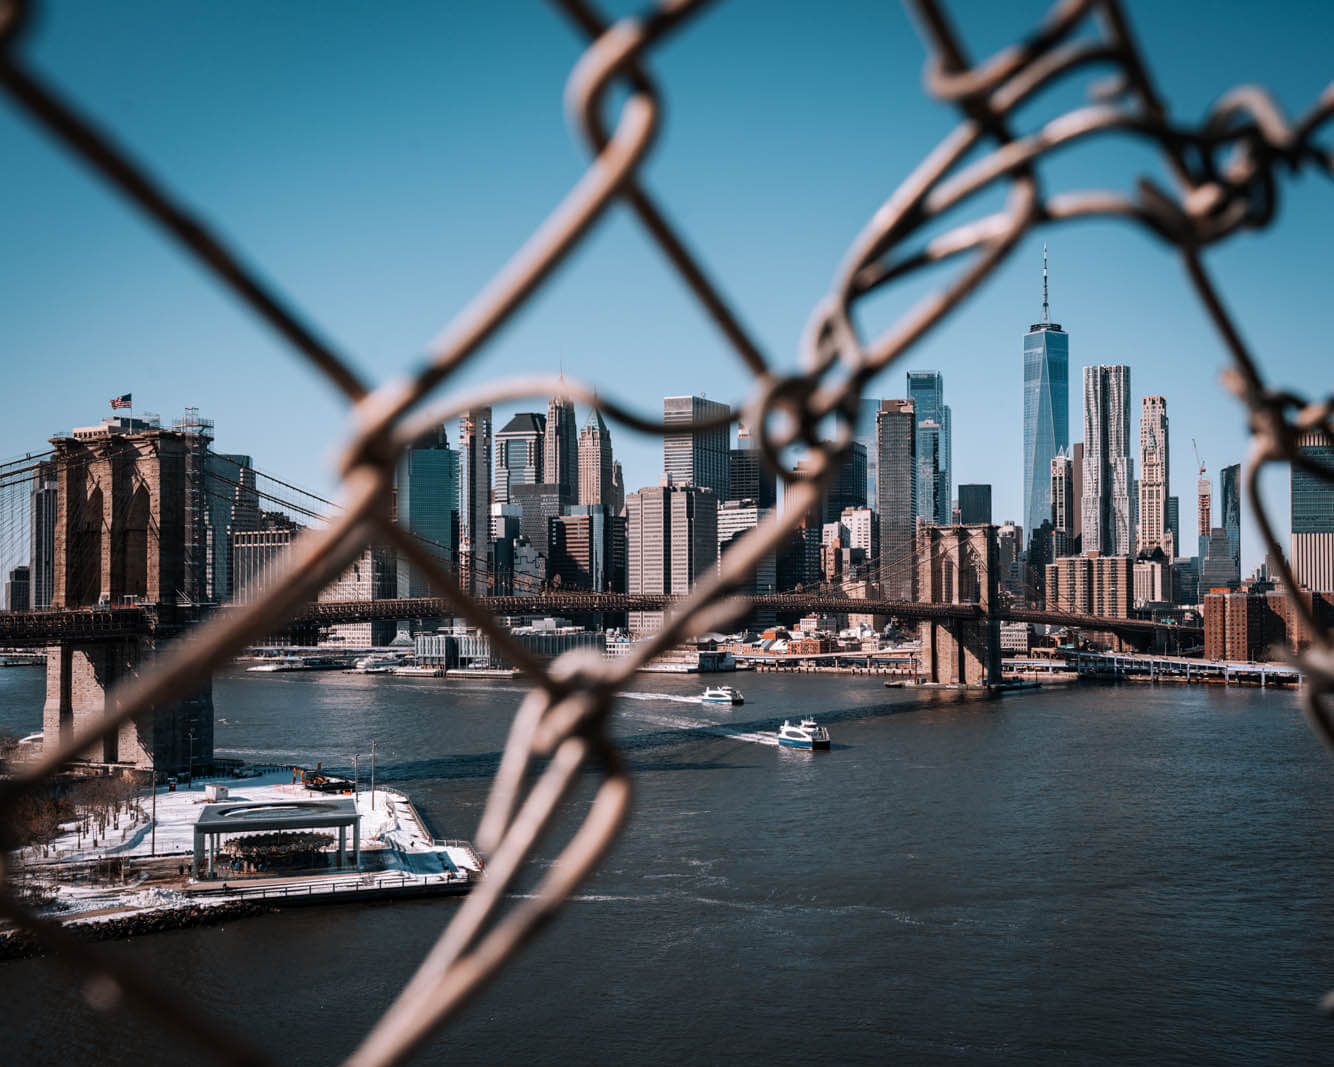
pixel 670 698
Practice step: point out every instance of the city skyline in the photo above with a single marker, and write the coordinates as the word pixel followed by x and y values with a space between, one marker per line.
pixel 278 180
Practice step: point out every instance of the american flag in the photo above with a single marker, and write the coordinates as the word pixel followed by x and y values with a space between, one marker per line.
pixel 122 401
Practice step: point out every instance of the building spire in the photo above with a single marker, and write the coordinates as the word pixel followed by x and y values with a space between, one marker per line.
pixel 1045 317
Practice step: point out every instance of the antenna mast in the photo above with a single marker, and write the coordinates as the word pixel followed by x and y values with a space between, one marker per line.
pixel 1045 317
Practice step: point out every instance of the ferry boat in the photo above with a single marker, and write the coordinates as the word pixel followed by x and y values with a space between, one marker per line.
pixel 807 734
pixel 722 694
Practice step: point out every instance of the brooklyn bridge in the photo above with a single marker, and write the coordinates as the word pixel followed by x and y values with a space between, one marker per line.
pixel 29 629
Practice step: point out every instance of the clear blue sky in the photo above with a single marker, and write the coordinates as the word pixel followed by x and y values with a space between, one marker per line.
pixel 381 161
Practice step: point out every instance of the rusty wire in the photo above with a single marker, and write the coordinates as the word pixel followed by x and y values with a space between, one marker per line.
pixel 1224 175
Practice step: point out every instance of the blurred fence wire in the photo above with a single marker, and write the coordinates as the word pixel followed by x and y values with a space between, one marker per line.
pixel 1224 178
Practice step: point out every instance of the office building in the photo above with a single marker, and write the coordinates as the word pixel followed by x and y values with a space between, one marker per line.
pixel 1046 407
pixel 616 501
pixel 254 552
pixel 426 503
pixel 896 448
pixel 371 576
pixel 750 476
pixel 475 500
pixel 671 539
pixel 974 504
pixel 595 462
pixel 926 389
pixel 1010 559
pixel 1109 471
pixel 18 590
pixel 231 507
pixel 735 519
pixel 1154 530
pixel 519 454
pixel 1229 499
pixel 539 504
pixel 699 457
pixel 42 553
pixel 848 487
pixel 1174 524
pixel 1153 582
pixel 580 554
pixel 864 431
pixel 1064 503
pixel 1218 569
pixel 1312 515
pixel 560 458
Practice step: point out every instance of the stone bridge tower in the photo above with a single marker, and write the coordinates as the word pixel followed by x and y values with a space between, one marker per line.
pixel 122 536
pixel 958 565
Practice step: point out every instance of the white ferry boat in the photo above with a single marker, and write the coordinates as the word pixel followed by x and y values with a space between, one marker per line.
pixel 722 694
pixel 807 734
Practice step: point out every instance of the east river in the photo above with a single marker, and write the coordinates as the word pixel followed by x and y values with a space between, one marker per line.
pixel 1086 874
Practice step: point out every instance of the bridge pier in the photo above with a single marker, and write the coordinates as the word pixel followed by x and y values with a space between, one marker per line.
pixel 177 736
pixel 958 565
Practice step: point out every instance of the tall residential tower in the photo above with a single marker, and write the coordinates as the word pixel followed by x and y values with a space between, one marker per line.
pixel 1154 474
pixel 1108 467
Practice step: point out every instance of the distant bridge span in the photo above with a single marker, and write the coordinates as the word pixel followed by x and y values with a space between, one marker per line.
pixel 579 602
pixel 35 628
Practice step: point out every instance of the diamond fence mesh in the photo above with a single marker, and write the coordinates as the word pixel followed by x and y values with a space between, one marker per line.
pixel 1225 179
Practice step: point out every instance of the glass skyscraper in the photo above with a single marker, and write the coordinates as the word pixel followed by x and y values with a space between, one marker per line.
pixel 1046 408
pixel 426 484
pixel 926 389
pixel 1229 494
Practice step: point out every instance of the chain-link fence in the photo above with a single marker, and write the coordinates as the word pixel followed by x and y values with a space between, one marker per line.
pixel 1225 173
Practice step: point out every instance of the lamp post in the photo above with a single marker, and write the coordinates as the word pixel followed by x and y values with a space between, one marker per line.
pixel 356 777
pixel 153 848
pixel 372 775
pixel 191 735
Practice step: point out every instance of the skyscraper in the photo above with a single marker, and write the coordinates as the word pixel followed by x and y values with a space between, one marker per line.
pixel 926 389
pixel 1046 407
pixel 974 504
pixel 864 431
pixel 560 460
pixel 1063 501
pixel 616 502
pixel 896 445
pixel 671 539
pixel 1312 515
pixel 697 457
pixel 1204 512
pixel 1229 499
pixel 595 463
pixel 231 506
pixel 426 484
pixel 1108 469
pixel 848 487
pixel 475 500
pixel 1154 473
pixel 750 477
pixel 519 453
pixel 42 558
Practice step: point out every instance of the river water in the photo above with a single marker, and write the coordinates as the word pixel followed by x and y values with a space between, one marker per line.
pixel 1091 873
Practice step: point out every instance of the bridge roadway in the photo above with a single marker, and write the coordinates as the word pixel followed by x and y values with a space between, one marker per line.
pixel 35 628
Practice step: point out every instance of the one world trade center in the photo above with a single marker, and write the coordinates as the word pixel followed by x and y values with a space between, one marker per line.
pixel 1046 409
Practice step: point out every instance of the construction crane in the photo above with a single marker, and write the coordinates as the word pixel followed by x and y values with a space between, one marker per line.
pixel 1197 456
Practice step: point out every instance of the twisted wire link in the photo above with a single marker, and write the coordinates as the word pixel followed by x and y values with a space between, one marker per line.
pixel 1224 171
